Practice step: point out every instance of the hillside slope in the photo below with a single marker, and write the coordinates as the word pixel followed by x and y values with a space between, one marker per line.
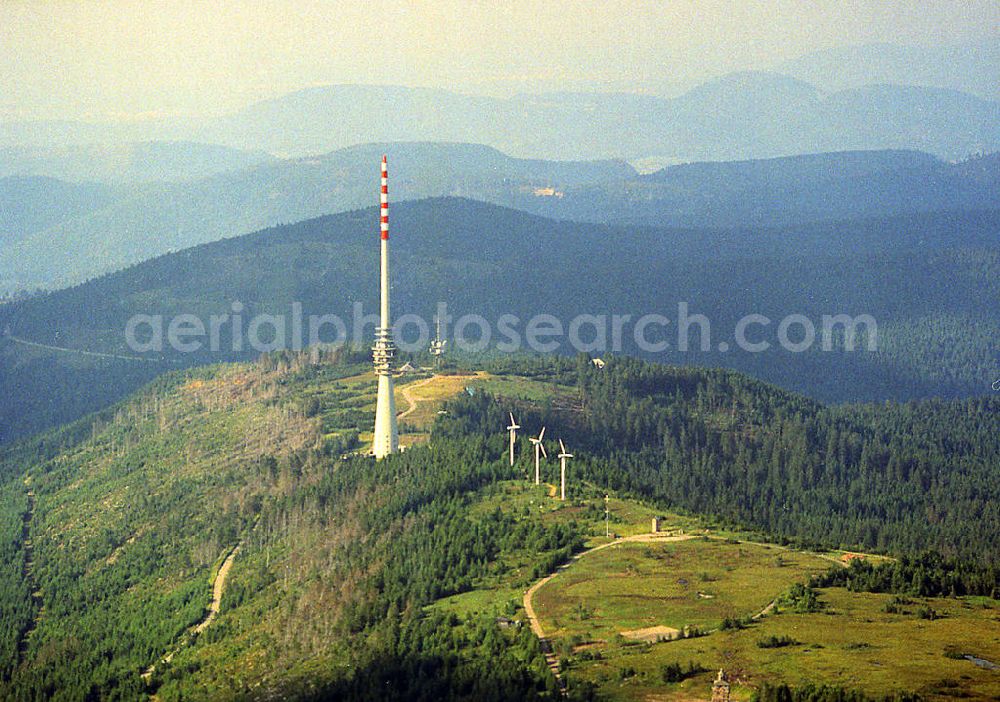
pixel 355 580
pixel 134 511
pixel 921 277
pixel 139 223
pixel 153 220
pixel 123 163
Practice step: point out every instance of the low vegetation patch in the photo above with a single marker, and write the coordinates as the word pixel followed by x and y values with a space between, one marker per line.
pixel 675 672
pixel 801 598
pixel 776 642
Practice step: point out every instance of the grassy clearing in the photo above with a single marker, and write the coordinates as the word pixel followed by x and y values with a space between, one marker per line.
pixel 430 397
pixel 521 388
pixel 694 583
pixel 853 642
pixel 346 403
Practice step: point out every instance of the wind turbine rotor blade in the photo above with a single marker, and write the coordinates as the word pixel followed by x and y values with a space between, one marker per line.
pixel 541 434
pixel 512 422
pixel 562 446
pixel 542 447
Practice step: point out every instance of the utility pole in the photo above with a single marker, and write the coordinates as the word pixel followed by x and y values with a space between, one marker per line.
pixel 607 518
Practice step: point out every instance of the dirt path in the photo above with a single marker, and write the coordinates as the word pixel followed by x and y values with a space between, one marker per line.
pixel 218 590
pixel 29 574
pixel 81 352
pixel 407 392
pixel 529 609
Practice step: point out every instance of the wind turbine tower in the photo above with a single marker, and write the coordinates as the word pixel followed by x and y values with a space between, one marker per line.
pixel 563 455
pixel 514 426
pixel 386 439
pixel 539 452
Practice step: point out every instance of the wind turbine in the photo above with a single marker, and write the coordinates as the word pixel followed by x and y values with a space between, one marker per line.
pixel 563 455
pixel 514 426
pixel 539 452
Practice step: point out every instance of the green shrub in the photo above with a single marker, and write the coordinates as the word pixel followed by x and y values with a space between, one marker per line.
pixel 776 642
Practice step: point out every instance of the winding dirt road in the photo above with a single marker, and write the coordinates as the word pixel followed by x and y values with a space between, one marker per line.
pixel 29 574
pixel 81 352
pixel 218 590
pixel 407 392
pixel 529 609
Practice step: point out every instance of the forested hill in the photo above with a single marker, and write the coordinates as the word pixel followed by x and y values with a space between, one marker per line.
pixel 924 278
pixel 898 478
pixel 143 221
pixel 148 220
pixel 786 191
pixel 112 529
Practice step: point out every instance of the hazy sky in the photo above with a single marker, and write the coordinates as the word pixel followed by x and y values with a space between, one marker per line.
pixel 113 58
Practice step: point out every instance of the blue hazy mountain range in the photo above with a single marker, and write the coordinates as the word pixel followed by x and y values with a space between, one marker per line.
pixel 927 278
pixel 783 191
pixel 150 220
pixel 119 227
pixel 748 115
pixel 33 203
pixel 972 68
pixel 125 162
pixel 741 116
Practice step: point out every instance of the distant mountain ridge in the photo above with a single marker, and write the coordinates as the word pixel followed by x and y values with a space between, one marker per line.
pixel 155 219
pixel 159 218
pixel 924 277
pixel 747 115
pixel 740 116
pixel 793 189
pixel 127 163
pixel 972 68
pixel 32 203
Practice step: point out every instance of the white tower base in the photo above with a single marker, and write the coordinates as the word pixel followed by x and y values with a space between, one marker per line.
pixel 386 439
